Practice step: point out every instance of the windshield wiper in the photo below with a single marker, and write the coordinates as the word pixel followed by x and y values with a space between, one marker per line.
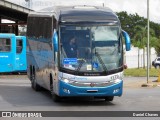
pixel 80 65
pixel 101 61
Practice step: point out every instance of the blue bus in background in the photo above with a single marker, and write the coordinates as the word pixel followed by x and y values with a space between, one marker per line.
pixel 21 62
pixel 12 53
pixel 76 51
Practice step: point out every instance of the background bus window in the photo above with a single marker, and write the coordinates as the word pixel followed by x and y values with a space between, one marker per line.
pixel 19 46
pixel 5 45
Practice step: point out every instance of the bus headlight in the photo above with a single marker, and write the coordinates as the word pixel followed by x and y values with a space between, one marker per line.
pixel 67 80
pixel 117 81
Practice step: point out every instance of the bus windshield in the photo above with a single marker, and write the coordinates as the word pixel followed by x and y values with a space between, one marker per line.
pixel 92 48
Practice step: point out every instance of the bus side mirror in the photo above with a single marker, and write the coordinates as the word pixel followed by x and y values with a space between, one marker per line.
pixel 127 40
pixel 55 41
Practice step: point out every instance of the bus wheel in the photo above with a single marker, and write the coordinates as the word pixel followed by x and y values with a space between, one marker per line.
pixel 34 84
pixel 30 75
pixel 55 97
pixel 109 98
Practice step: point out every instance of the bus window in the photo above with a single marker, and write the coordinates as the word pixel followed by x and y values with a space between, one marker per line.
pixel 19 46
pixel 5 45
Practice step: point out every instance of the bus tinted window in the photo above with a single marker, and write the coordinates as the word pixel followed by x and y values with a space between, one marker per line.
pixel 30 27
pixel 40 27
pixel 5 45
pixel 19 46
pixel 46 27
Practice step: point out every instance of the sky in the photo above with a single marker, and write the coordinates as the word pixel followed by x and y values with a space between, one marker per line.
pixel 131 6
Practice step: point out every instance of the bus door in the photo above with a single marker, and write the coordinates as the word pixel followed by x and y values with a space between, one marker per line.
pixel 20 53
pixel 7 52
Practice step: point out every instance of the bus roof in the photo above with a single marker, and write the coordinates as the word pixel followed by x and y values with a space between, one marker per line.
pixel 78 13
pixel 6 35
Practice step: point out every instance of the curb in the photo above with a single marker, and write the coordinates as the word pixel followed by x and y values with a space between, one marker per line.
pixel 150 85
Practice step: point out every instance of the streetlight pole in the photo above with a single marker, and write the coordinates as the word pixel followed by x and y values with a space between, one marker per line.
pixel 148 41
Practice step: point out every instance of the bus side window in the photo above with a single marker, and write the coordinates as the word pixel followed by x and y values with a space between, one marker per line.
pixel 19 46
pixel 5 45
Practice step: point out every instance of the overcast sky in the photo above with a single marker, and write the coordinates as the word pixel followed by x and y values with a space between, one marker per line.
pixel 131 6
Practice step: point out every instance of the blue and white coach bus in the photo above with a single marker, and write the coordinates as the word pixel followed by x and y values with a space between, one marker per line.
pixel 76 51
pixel 12 53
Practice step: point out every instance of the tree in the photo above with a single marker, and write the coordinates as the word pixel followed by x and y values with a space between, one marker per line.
pixel 137 42
pixel 152 43
pixel 140 40
pixel 129 21
pixel 136 27
pixel 157 46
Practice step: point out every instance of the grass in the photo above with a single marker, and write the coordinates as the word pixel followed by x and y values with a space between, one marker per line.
pixel 141 72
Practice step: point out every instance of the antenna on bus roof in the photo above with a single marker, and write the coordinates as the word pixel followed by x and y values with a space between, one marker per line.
pixel 84 7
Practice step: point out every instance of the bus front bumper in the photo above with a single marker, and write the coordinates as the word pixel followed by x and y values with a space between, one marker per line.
pixel 70 90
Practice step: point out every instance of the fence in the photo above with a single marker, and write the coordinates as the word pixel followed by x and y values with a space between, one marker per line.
pixel 131 57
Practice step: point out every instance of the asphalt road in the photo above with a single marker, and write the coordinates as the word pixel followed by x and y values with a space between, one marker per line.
pixel 16 94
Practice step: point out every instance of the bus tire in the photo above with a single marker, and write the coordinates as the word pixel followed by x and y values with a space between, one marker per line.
pixel 109 98
pixel 30 73
pixel 34 84
pixel 55 97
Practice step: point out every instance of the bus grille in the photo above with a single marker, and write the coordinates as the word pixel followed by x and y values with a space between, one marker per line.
pixel 92 84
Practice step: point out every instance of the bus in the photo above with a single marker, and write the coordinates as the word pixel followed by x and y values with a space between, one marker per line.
pixel 76 51
pixel 21 62
pixel 12 59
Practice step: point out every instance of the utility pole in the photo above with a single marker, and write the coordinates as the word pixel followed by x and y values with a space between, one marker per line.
pixel 148 41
